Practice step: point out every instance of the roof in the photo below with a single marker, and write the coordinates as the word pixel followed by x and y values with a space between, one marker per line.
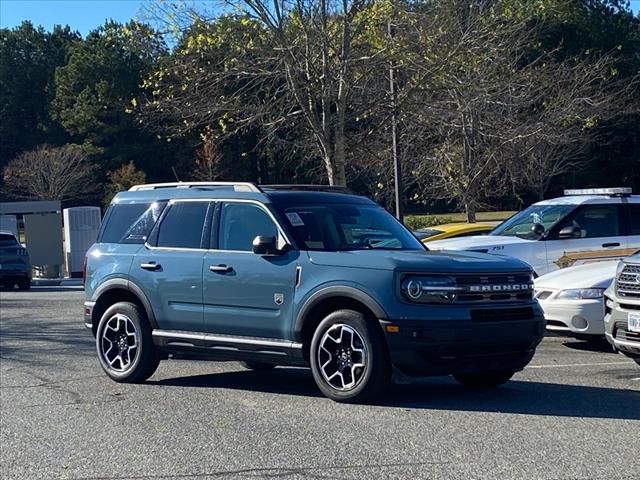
pixel 590 199
pixel 241 191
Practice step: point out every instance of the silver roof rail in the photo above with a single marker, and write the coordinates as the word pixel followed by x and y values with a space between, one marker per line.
pixel 619 191
pixel 237 186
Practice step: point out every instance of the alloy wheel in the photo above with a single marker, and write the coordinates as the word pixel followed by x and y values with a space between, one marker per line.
pixel 342 357
pixel 119 343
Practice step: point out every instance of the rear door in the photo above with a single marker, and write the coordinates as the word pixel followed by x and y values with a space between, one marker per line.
pixel 601 236
pixel 246 294
pixel 633 227
pixel 169 267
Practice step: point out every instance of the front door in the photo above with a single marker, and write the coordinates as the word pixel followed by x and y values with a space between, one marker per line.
pixel 246 294
pixel 169 268
pixel 599 236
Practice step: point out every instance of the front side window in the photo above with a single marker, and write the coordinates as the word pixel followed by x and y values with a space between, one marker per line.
pixel 521 224
pixel 337 227
pixel 594 221
pixel 240 223
pixel 183 225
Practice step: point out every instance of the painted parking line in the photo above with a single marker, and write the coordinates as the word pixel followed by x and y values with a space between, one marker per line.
pixel 601 364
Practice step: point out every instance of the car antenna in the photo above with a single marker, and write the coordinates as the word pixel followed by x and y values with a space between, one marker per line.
pixel 175 174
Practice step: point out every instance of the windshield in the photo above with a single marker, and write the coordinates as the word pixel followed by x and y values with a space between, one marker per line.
pixel 348 227
pixel 426 233
pixel 520 225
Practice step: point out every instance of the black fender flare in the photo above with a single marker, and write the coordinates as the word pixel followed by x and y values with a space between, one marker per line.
pixel 336 291
pixel 122 283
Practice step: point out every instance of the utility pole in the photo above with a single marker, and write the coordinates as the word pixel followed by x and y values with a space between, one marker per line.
pixel 397 168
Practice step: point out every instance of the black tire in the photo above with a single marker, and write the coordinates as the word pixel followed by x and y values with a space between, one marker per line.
pixel 145 360
pixel 371 350
pixel 483 380
pixel 637 360
pixel 24 285
pixel 257 366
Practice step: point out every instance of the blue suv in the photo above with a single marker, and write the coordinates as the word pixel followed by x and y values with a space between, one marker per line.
pixel 299 275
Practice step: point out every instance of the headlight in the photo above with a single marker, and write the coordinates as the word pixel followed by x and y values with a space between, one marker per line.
pixel 581 294
pixel 429 289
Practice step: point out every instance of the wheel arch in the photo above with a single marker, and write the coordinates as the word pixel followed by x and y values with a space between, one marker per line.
pixel 119 290
pixel 331 299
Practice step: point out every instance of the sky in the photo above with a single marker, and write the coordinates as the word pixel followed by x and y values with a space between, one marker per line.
pixel 83 15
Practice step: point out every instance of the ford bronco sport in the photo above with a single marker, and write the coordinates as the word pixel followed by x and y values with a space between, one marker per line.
pixel 622 309
pixel 299 275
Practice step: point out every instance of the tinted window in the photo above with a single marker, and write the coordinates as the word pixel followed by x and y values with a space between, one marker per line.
pixel 634 219
pixel 241 223
pixel 183 224
pixel 521 224
pixel 130 223
pixel 594 221
pixel 7 240
pixel 348 227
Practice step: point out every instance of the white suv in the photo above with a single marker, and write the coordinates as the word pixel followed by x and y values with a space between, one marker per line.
pixel 583 226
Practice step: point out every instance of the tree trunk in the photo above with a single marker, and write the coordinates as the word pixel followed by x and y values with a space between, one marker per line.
pixel 339 173
pixel 470 209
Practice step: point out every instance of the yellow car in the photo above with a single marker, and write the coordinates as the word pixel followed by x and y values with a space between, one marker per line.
pixel 452 230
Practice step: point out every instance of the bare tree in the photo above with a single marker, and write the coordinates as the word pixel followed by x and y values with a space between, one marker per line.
pixel 275 64
pixel 51 173
pixel 207 162
pixel 502 114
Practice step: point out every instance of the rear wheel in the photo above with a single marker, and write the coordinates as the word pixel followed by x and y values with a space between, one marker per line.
pixel 349 358
pixel 24 284
pixel 484 379
pixel 124 344
pixel 257 366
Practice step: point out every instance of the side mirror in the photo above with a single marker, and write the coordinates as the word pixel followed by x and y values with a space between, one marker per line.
pixel 265 245
pixel 538 229
pixel 569 232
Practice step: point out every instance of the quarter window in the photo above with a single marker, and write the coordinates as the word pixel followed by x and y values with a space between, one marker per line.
pixel 130 222
pixel 240 223
pixel 182 227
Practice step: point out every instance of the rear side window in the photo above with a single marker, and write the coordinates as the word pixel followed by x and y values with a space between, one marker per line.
pixel 7 240
pixel 182 226
pixel 131 223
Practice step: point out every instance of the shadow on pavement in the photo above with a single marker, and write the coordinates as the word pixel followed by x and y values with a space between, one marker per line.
pixel 599 345
pixel 519 397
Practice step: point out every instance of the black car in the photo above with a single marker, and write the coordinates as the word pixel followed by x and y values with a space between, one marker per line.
pixel 15 266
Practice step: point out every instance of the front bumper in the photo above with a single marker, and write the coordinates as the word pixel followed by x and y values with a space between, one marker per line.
pixel 444 347
pixel 616 327
pixel 585 317
pixel 88 314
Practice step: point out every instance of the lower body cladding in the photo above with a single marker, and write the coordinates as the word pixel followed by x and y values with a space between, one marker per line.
pixel 578 317
pixel 502 339
pixel 225 347
pixel 622 326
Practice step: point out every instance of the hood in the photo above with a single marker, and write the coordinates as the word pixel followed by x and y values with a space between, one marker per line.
pixel 420 261
pixel 589 275
pixel 476 242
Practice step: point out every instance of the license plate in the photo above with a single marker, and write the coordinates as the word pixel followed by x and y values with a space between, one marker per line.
pixel 634 322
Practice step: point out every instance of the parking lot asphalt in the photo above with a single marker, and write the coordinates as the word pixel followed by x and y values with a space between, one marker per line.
pixel 574 413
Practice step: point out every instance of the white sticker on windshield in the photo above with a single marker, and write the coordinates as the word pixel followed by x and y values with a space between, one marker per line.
pixel 295 219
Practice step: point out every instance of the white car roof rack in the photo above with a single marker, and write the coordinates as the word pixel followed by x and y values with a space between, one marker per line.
pixel 237 186
pixel 618 191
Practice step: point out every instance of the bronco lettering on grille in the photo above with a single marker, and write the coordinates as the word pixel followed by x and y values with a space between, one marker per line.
pixel 500 288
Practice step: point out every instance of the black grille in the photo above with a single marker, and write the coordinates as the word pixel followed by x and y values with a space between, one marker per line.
pixel 621 333
pixel 628 281
pixel 502 314
pixel 504 280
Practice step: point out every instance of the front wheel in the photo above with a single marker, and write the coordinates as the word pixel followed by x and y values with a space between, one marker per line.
pixel 349 358
pixel 484 379
pixel 124 344
pixel 24 284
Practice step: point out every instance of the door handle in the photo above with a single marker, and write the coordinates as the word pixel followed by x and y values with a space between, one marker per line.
pixel 221 268
pixel 153 266
pixel 612 244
